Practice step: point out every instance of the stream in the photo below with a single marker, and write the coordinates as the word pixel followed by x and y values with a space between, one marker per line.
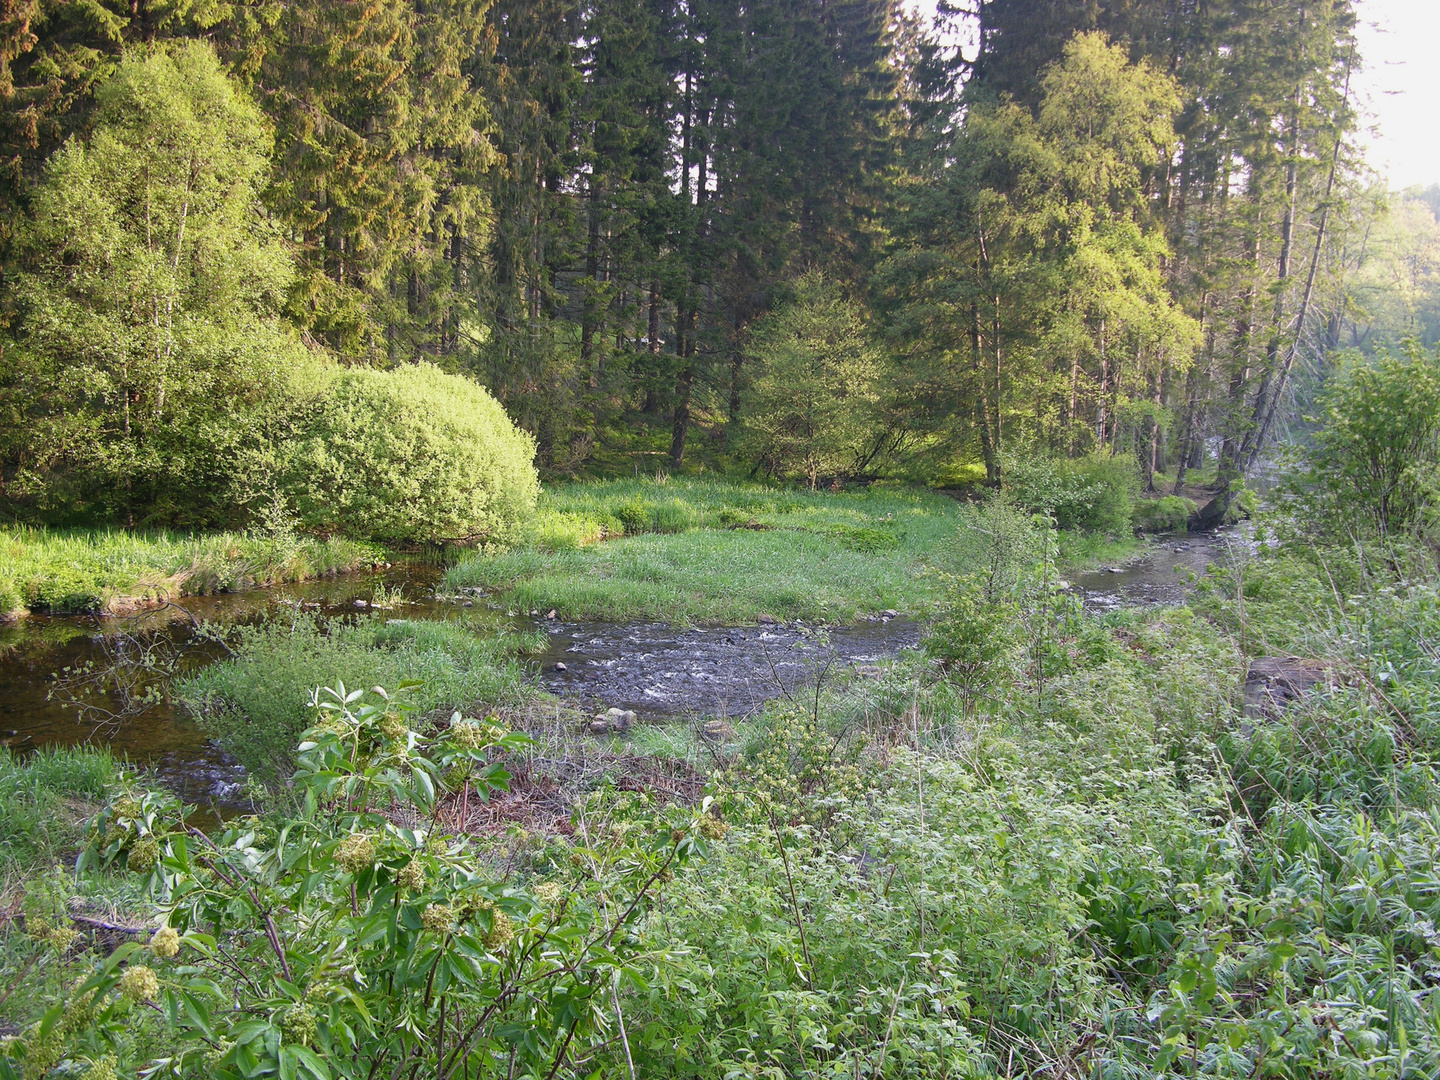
pixel 654 669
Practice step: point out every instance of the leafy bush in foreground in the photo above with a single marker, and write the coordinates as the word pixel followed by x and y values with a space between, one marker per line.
pixel 355 937
pixel 257 701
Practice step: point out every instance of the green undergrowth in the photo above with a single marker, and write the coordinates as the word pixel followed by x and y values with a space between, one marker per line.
pixel 1079 551
pixel 708 551
pixel 1049 844
pixel 72 570
pixel 45 799
pixel 257 701
pixel 1100 866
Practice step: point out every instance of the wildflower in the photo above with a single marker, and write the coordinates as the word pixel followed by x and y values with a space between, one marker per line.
pixel 438 918
pixel 548 892
pixel 139 983
pixel 104 1069
pixel 412 876
pixel 712 828
pixel 676 835
pixel 501 929
pixel 298 1024
pixel 216 1054
pixel 393 728
pixel 356 852
pixel 8 1045
pixel 143 856
pixel 466 734
pixel 333 725
pixel 38 927
pixel 61 937
pixel 128 807
pixel 165 942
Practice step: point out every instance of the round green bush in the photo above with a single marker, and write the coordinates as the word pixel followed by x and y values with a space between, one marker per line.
pixel 411 455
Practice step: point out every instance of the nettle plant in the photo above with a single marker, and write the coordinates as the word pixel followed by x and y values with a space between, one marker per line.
pixel 353 940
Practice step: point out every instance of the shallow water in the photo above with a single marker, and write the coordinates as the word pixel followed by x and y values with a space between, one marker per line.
pixel 1164 575
pixel 657 670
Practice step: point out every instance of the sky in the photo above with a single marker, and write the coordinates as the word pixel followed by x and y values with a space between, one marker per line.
pixel 1400 46
pixel 1399 89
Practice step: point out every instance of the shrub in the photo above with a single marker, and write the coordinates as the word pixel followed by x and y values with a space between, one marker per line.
pixel 411 455
pixel 1095 492
pixel 257 701
pixel 355 935
pixel 1168 514
pixel 1375 454
pixel 634 514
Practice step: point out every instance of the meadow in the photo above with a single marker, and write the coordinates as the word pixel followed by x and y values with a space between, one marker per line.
pixel 693 550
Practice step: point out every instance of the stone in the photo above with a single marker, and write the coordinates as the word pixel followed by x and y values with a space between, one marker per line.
pixel 869 671
pixel 550 614
pixel 766 620
pixel 561 667
pixel 1273 682
pixel 716 730
pixel 599 726
pixel 890 613
pixel 362 603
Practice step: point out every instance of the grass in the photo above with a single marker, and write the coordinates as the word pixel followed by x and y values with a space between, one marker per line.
pixel 45 798
pixel 257 702
pixel 74 570
pixel 1104 868
pixel 1085 551
pixel 714 552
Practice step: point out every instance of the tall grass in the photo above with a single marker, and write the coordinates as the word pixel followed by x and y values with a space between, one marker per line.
pixel 711 551
pixel 43 800
pixel 70 570
pixel 256 703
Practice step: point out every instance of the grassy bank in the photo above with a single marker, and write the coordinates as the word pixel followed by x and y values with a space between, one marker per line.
pixel 707 551
pixel 72 570
pixel 257 702
pixel 45 800
pixel 1090 862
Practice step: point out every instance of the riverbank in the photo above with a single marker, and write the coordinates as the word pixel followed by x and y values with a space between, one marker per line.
pixel 66 571
pixel 708 552
pixel 919 854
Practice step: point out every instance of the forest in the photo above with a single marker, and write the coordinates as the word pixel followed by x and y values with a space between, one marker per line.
pixel 688 538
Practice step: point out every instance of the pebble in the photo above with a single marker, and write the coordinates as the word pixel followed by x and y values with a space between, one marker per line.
pixel 561 667
pixel 766 620
pixel 361 603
